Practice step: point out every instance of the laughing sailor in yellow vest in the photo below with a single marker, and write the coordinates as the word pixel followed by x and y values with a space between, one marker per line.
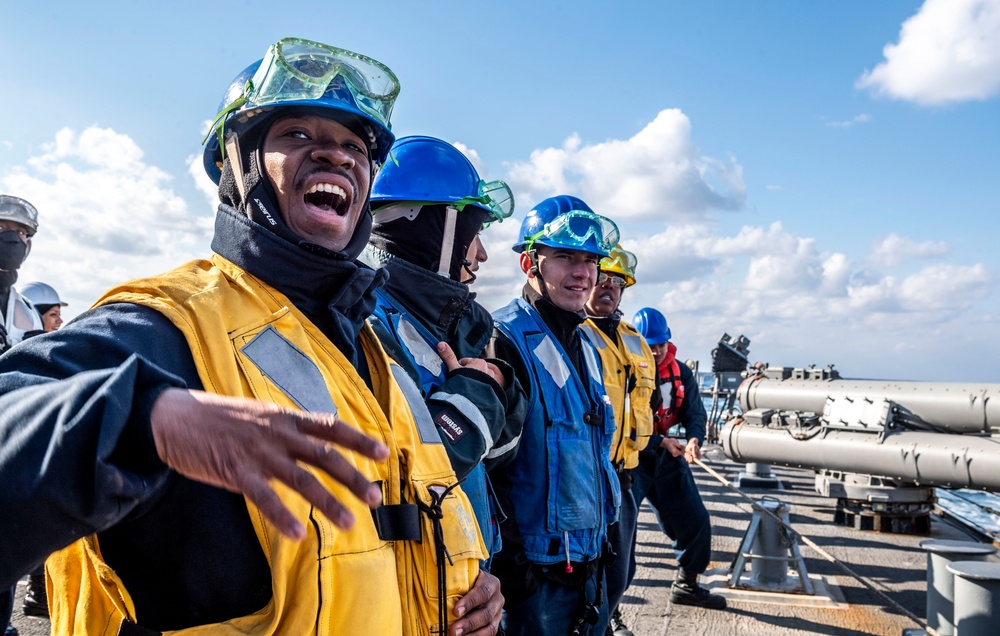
pixel 629 378
pixel 207 449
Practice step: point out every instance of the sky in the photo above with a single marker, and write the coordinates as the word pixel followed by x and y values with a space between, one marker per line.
pixel 823 178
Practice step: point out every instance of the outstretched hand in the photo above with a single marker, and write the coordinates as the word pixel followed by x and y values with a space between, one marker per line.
pixel 241 444
pixel 451 362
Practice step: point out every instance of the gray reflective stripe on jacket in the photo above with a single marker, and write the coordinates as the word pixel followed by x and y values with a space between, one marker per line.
pixel 633 342
pixel 298 377
pixel 421 352
pixel 548 354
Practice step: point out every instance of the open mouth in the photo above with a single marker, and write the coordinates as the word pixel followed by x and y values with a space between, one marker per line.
pixel 328 197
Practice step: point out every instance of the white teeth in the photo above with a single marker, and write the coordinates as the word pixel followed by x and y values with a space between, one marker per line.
pixel 329 188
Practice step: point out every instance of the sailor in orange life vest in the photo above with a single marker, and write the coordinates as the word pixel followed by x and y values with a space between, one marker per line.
pixel 663 475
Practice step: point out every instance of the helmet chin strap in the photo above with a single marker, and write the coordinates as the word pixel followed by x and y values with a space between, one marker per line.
pixel 536 271
pixel 448 241
pixel 466 264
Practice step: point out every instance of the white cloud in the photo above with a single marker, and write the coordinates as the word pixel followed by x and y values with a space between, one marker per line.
pixel 657 174
pixel 105 216
pixel 204 183
pixel 863 118
pixel 948 52
pixel 945 289
pixel 894 250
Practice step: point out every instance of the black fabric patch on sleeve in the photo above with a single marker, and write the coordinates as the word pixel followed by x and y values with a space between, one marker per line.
pixel 452 429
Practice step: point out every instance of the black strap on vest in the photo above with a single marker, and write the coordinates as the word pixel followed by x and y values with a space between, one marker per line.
pixel 398 522
pixel 131 629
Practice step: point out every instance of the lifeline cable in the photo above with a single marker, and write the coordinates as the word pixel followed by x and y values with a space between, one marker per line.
pixel 823 553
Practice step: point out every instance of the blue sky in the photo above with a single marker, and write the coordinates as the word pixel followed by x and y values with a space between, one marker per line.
pixel 821 177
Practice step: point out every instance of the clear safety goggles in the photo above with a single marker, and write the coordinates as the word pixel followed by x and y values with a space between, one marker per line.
pixel 576 227
pixel 495 196
pixel 621 261
pixel 294 69
pixel 616 280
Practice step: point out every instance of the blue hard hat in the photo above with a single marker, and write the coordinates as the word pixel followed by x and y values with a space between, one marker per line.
pixel 567 222
pixel 360 90
pixel 427 170
pixel 652 325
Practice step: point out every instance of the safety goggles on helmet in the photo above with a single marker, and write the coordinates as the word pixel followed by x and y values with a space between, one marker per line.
pixel 620 261
pixel 294 69
pixel 615 280
pixel 494 196
pixel 575 228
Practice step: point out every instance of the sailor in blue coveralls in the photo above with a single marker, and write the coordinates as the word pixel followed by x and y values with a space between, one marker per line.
pixel 663 475
pixel 429 206
pixel 560 492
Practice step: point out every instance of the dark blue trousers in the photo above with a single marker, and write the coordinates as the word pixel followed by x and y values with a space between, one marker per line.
pixel 668 484
pixel 554 609
pixel 622 538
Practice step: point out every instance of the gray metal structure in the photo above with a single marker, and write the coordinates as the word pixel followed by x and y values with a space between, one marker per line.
pixel 941 581
pixel 769 551
pixel 977 595
pixel 908 433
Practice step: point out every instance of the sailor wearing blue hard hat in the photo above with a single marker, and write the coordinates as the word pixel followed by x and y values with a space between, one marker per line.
pixel 663 475
pixel 429 206
pixel 255 458
pixel 560 488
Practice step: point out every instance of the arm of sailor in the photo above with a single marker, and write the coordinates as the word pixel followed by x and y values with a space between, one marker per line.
pixel 76 453
pixel 693 415
pixel 76 428
pixel 241 444
pixel 468 409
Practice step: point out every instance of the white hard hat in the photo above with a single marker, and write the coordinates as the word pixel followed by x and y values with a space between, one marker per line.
pixel 20 211
pixel 41 294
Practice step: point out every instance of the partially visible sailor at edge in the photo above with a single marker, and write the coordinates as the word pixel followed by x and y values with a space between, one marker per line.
pixel 630 378
pixel 663 475
pixel 560 491
pixel 204 448
pixel 47 303
pixel 428 206
pixel 18 223
pixel 18 318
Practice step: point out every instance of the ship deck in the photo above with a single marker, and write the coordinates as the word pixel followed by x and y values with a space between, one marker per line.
pixel 892 563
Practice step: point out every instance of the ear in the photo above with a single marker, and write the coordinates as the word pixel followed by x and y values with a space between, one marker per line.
pixel 525 262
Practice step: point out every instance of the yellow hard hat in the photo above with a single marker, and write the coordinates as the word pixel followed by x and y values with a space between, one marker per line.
pixel 620 261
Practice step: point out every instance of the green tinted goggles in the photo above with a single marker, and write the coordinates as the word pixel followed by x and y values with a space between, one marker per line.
pixel 297 70
pixel 574 229
pixel 495 196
